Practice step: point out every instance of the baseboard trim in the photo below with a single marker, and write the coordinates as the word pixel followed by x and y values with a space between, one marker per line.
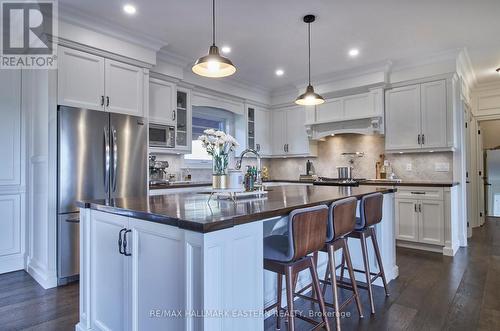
pixel 41 275
pixel 11 263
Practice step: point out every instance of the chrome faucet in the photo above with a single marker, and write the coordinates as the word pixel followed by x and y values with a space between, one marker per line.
pixel 259 164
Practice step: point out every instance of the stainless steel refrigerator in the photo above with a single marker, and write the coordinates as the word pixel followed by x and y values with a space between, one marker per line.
pixel 100 156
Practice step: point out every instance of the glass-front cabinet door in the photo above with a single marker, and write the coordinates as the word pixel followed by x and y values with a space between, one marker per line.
pixel 184 113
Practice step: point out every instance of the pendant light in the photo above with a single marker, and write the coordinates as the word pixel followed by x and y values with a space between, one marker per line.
pixel 213 65
pixel 309 98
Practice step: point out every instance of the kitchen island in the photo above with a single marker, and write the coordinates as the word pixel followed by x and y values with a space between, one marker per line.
pixel 179 262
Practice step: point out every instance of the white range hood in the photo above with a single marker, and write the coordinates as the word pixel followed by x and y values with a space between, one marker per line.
pixel 360 113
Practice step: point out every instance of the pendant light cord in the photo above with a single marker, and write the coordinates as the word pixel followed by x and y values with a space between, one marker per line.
pixel 309 45
pixel 213 22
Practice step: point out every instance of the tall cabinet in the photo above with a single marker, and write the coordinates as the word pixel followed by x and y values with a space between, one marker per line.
pixel 12 184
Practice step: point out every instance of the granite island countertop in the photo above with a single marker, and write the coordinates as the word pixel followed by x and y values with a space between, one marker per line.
pixel 193 211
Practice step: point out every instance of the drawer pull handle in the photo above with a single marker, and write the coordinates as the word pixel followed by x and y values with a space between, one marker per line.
pixel 418 193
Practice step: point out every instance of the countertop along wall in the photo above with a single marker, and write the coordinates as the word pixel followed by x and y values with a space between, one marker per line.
pixel 329 151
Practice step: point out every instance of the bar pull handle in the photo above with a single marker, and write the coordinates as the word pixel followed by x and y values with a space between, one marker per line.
pixel 120 242
pixel 102 100
pixel 419 140
pixel 107 101
pixel 73 220
pixel 420 193
pixel 125 242
pixel 423 139
pixel 173 115
pixel 415 205
pixel 107 160
pixel 420 207
pixel 115 157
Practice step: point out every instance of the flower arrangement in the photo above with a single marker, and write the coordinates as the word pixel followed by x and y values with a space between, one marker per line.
pixel 218 144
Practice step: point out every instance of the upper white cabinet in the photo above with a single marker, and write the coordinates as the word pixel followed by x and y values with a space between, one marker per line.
pixel 417 117
pixel 402 115
pixel 162 102
pixel 263 132
pixel 93 82
pixel 80 79
pixel 183 117
pixel 124 87
pixel 434 121
pixel 288 133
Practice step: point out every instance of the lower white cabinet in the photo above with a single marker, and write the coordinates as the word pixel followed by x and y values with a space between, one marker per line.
pixel 420 219
pixel 129 280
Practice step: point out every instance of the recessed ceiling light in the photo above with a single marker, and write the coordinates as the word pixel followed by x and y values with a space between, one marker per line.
pixel 280 72
pixel 354 52
pixel 226 49
pixel 129 9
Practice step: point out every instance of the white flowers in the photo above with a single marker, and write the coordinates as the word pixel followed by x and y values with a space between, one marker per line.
pixel 217 142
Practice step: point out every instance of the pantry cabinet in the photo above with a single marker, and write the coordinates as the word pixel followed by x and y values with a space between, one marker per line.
pixel 94 82
pixel 420 215
pixel 417 118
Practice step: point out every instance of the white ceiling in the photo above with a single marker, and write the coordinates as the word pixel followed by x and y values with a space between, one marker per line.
pixel 268 34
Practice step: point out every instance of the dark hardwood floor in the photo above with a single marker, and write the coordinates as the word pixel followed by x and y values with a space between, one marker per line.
pixel 433 292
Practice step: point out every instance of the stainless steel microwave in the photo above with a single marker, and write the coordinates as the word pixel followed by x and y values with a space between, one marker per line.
pixel 161 135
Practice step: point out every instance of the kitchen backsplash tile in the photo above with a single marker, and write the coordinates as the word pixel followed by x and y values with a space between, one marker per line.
pixel 330 156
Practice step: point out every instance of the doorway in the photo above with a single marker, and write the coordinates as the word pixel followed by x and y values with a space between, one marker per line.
pixel 492 182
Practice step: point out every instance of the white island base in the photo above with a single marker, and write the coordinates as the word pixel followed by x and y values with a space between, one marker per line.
pixel 176 279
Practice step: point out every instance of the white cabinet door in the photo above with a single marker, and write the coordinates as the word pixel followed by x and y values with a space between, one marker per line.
pixel 278 123
pixel 124 87
pixel 10 233
pixel 80 79
pixel 331 110
pixel 406 220
pixel 10 127
pixel 296 136
pixel 403 123
pixel 153 245
pixel 162 102
pixel 263 132
pixel 433 105
pixel 108 273
pixel 431 222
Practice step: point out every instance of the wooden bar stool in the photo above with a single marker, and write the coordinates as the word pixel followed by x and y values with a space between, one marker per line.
pixel 370 215
pixel 341 222
pixel 289 254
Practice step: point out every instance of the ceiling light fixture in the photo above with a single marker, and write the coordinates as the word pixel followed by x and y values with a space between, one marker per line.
pixel 213 65
pixel 226 49
pixel 354 52
pixel 309 98
pixel 129 9
pixel 279 72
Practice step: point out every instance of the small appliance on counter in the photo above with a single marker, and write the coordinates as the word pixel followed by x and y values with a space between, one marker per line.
pixel 158 171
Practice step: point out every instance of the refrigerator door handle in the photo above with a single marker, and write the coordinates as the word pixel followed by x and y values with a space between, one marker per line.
pixel 115 157
pixel 107 160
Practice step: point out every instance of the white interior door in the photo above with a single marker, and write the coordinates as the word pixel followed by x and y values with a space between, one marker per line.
pixel 403 120
pixel 108 273
pixel 124 87
pixel 433 105
pixel 80 79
